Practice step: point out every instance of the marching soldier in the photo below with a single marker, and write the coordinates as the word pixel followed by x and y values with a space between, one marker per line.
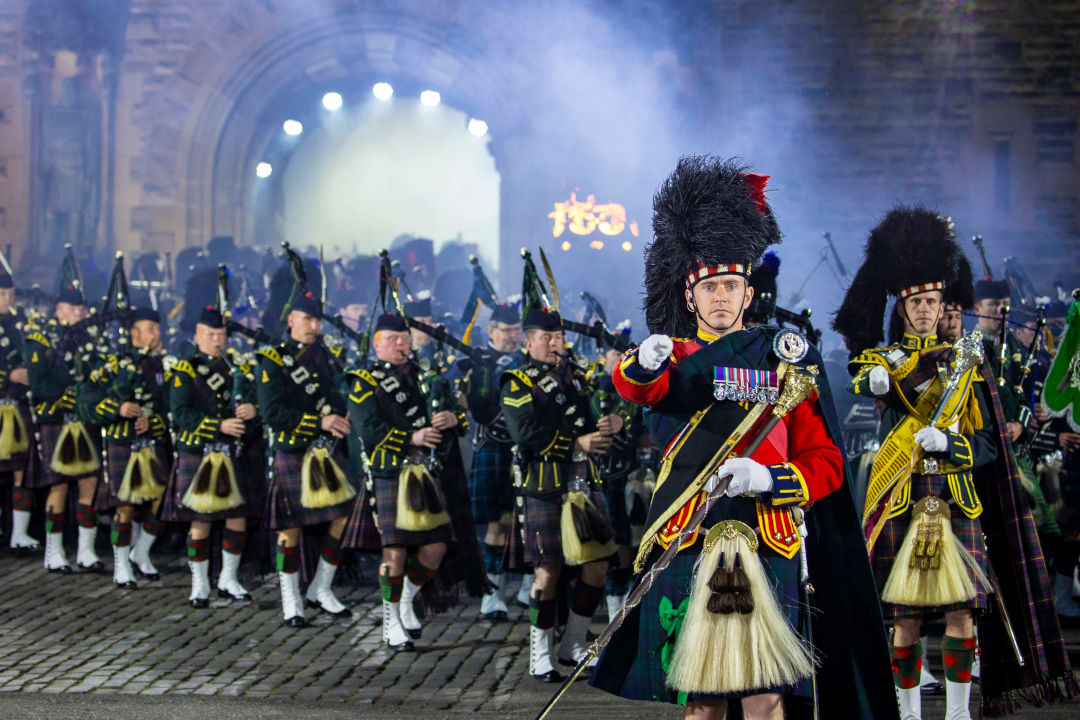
pixel 991 299
pixel 128 397
pixel 615 466
pixel 60 355
pixel 405 424
pixel 301 403
pixel 729 619
pixel 16 422
pixel 566 522
pixel 944 464
pixel 219 460
pixel 491 483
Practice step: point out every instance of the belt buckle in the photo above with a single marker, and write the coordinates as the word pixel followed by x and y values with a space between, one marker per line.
pixel 578 485
pixel 930 466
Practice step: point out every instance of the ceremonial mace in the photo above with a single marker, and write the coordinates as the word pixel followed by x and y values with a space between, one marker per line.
pixel 799 384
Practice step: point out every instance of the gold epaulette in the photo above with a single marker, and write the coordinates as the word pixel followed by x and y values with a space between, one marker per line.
pixel 520 375
pixel 271 354
pixel 364 375
pixel 184 366
pixel 39 338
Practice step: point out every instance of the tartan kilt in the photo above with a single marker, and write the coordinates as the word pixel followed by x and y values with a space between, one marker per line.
pixel 386 494
pixel 362 528
pixel 615 493
pixel 543 528
pixel 967 530
pixel 118 456
pixel 50 436
pixel 645 678
pixel 187 464
pixel 283 507
pixel 491 482
pixel 21 461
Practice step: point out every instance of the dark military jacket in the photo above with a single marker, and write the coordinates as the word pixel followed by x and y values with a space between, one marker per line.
pixel 480 378
pixel 204 391
pixel 621 457
pixel 388 403
pixel 1013 404
pixel 546 408
pixel 965 450
pixel 12 356
pixel 297 386
pixel 139 378
pixel 58 358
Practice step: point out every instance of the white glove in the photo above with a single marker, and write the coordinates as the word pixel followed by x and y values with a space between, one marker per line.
pixel 932 440
pixel 654 351
pixel 879 380
pixel 746 476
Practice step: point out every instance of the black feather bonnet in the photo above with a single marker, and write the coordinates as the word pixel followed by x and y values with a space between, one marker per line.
pixel 709 212
pixel 911 250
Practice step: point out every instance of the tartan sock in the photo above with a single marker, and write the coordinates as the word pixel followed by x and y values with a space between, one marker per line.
pixel 331 550
pixel 493 559
pixel 390 587
pixel 958 655
pixel 121 534
pixel 618 581
pixel 85 516
pixel 906 665
pixel 288 558
pixel 586 598
pixel 542 613
pixel 54 522
pixel 21 499
pixel 198 550
pixel 233 541
pixel 417 572
pixel 152 526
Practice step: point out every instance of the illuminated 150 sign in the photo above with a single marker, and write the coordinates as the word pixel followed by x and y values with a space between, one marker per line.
pixel 584 218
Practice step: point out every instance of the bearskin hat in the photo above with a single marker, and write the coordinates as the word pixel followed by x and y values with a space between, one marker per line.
pixel 710 212
pixel 763 305
pixel 911 250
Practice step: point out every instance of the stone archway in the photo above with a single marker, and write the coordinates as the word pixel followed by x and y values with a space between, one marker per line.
pixel 194 165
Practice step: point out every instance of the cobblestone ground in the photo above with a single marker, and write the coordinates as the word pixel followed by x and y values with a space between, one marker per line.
pixel 74 646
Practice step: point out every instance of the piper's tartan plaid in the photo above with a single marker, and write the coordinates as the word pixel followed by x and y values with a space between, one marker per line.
pixel 283 507
pixel 660 607
pixel 967 530
pixel 109 483
pixel 1020 569
pixel 491 484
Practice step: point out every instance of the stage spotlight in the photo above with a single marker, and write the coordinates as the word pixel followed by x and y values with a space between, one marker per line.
pixel 431 98
pixel 263 170
pixel 477 127
pixel 565 245
pixel 382 91
pixel 597 244
pixel 627 246
pixel 331 101
pixel 292 127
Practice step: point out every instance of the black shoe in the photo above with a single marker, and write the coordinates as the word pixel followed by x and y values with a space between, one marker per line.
pixel 22 551
pixel 296 621
pixel 201 603
pixel 414 634
pixel 129 585
pixel 62 570
pixel 235 598
pixel 152 577
pixel 934 688
pixel 551 676
pixel 406 646
pixel 95 567
pixel 495 616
